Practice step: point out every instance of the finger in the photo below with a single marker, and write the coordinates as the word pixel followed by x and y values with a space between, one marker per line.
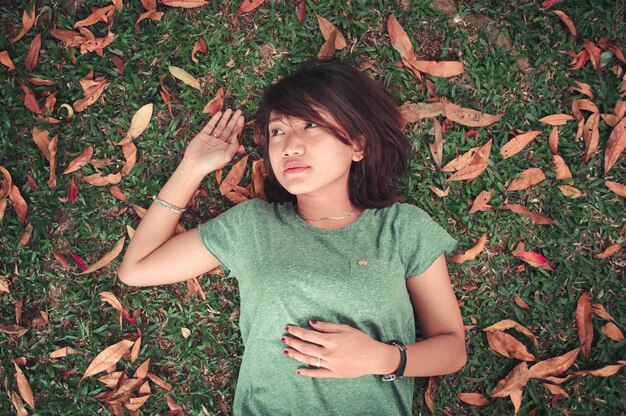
pixel 329 327
pixel 208 128
pixel 303 358
pixel 315 373
pixel 228 130
pixel 234 137
pixel 222 123
pixel 307 335
pixel 304 347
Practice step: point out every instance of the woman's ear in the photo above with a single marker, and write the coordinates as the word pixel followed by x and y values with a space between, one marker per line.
pixel 358 152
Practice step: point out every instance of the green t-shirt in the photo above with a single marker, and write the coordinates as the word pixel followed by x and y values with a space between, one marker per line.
pixel 290 272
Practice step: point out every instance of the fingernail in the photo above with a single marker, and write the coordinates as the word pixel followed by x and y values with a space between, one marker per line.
pixel 283 339
pixel 287 328
pixel 285 352
pixel 313 321
pixel 298 372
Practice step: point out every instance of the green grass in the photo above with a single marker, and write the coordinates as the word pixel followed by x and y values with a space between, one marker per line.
pixel 202 368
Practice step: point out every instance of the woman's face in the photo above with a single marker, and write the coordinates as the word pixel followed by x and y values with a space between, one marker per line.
pixel 308 159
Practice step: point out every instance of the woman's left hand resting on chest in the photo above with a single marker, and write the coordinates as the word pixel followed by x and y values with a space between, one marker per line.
pixel 347 352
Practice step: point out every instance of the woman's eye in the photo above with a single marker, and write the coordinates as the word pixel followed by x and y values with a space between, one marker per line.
pixel 310 125
pixel 275 132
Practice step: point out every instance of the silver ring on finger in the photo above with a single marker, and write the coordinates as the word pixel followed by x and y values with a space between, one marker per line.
pixel 214 135
pixel 318 362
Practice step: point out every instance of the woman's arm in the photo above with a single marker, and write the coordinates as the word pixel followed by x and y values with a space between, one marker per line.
pixel 155 256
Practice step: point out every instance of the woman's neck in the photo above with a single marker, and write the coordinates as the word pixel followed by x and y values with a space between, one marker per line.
pixel 329 214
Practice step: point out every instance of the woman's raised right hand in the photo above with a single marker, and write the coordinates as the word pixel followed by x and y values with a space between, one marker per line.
pixel 215 145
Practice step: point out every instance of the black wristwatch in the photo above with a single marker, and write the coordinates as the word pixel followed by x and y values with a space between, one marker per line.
pixel 400 371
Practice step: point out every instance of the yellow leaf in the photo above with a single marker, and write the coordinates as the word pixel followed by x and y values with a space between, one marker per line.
pixel 185 77
pixel 139 123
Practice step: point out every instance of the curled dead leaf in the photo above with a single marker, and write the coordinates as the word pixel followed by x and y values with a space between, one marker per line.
pixel 108 357
pixel 327 28
pixel 80 160
pixel 554 366
pixel 107 258
pixel 508 346
pixel 98 180
pixel 516 379
pixel 471 253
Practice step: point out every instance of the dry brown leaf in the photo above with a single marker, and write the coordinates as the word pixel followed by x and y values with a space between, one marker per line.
pixel 530 257
pixel 615 145
pixel 467 116
pixel 98 180
pixel 511 324
pixel 17 403
pixel 429 394
pixel 113 379
pixel 234 176
pixel 28 20
pixel 445 69
pixel 399 38
pixel 606 371
pixel 436 148
pixel 26 234
pixel 570 191
pixel 411 112
pixel 216 103
pixel 30 101
pixel 583 322
pixel 567 21
pixel 101 14
pixel 19 204
pixel 258 173
pixel 185 77
pixel 130 154
pixel 562 172
pixel 591 136
pixel 80 160
pixel 24 387
pixel 184 3
pixel 328 48
pixel 13 330
pixel 33 53
pixel 554 366
pixel 142 370
pixel 469 172
pixel 475 399
pixel 520 302
pixel 160 382
pixel 7 183
pixel 461 161
pixel 583 88
pixel 117 193
pixel 107 358
pixel 481 202
pixel 556 119
pixel 471 253
pixel 327 29
pixel 612 331
pixel 62 352
pixel 107 258
pixel 145 388
pixel 134 403
pixel 112 300
pixel 556 390
pixel 599 310
pixel 508 346
pixel 151 14
pixel 5 60
pixel 40 321
pixel 616 187
pixel 92 90
pixel 248 6
pixel 583 104
pixel 138 124
pixel 516 379
pixel 198 46
pixel 594 53
pixel 530 177
pixel 517 143
pixel 134 354
pixel 439 192
pixel 167 98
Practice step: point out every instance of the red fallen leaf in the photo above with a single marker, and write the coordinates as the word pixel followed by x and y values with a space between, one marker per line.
pixel 530 257
pixel 515 380
pixel 82 264
pixel 301 10
pixel 19 205
pixel 117 193
pixel 616 187
pixel 615 145
pixel 604 44
pixel 591 136
pixel 247 6
pixel 429 394
pixel 481 202
pixel 508 346
pixel 28 20
pixel 567 21
pixel 166 98
pixel 594 52
pixel 471 133
pixel 128 318
pixel 530 177
pixel 553 366
pixel 216 103
pixel 471 253
pixel 5 60
pixel 467 116
pixel 61 259
pixel 475 399
pixel 80 160
pixel 198 46
pixel 72 191
pixel 606 371
pixel 581 59
pixel 549 3
pixel 30 101
pixel 517 143
pixel 33 53
pixel 562 172
pixel 583 323
pixel 612 331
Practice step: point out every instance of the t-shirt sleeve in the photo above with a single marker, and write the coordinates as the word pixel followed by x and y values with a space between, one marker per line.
pixel 424 242
pixel 223 235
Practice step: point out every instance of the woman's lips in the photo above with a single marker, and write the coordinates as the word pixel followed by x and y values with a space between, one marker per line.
pixel 296 170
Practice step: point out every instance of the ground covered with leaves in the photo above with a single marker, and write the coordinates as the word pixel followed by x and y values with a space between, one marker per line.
pixel 516 117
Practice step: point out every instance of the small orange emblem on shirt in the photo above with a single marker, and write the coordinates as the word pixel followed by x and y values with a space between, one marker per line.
pixel 363 263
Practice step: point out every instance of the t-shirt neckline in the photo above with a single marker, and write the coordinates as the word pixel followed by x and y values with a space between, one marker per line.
pixel 296 219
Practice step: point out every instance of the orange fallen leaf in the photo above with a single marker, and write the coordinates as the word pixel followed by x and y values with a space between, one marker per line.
pixel 511 324
pixel 234 176
pixel 481 203
pixel 62 352
pixel 30 101
pixel 160 382
pixel 570 191
pixel 530 177
pixel 69 37
pixel 166 98
pixel 556 119
pixel 138 124
pixel 606 371
pixel 28 232
pixel 24 387
pixel 399 38
pixel 553 366
pixel 615 145
pixel 258 174
pixel 530 257
pixel 468 173
pixel 583 323
pixel 101 14
pixel 439 192
pixel 142 370
pixel 93 44
pixel 562 172
pixel 429 394
pixel 19 205
pixel 609 251
pixel 616 187
pixel 517 143
pixel 5 60
pixel 591 136
pixel 130 154
pixel 508 346
pixel 248 6
pixel 556 390
pixel 28 20
pixel 599 310
pixel 583 104
pixel 583 88
pixel 61 259
pixel 411 112
pixel 107 358
pixel 471 253
pixel 33 53
pixel 436 148
pixel 17 403
pixel 216 103
pixel 516 379
pixel 567 21
pixel 40 321
pixel 612 331
pixel 467 116
pixel 328 48
pixel 80 160
pixel 151 14
pixel 520 302
pixel 198 46
pixel 475 399
pixel 594 53
pixel 134 353
pixel 107 258
pixel 98 180
pixel 184 3
pixel 184 76
pixel 461 161
pixel 117 193
pixel 92 90
pixel 134 403
pixel 327 29
pixel 13 330
pixel 445 69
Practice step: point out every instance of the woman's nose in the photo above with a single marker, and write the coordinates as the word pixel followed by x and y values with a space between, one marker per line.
pixel 293 145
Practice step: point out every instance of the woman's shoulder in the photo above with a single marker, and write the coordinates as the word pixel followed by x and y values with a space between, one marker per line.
pixel 403 210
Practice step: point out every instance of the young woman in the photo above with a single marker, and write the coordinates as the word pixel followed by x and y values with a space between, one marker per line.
pixel 333 269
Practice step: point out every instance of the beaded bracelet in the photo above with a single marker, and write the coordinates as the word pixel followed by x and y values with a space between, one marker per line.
pixel 168 206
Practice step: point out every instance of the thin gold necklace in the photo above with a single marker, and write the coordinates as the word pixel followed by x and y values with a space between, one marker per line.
pixel 351 213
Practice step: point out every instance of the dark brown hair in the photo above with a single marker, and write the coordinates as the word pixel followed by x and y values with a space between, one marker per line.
pixel 365 113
